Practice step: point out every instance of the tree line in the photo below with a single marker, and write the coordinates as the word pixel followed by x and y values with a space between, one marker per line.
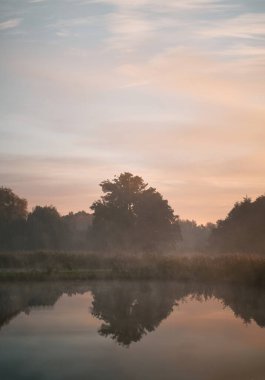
pixel 42 228
pixel 243 230
pixel 130 217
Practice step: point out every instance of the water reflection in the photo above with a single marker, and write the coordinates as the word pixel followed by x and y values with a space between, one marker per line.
pixel 129 310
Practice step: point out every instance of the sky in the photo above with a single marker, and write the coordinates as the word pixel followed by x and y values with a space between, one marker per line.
pixel 170 90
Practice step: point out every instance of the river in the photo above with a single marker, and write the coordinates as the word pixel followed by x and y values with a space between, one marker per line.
pixel 131 330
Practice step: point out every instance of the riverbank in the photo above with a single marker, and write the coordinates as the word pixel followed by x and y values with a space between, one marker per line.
pixel 46 266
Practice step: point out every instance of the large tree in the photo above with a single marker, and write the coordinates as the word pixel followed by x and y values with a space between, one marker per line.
pixel 130 215
pixel 46 229
pixel 13 214
pixel 243 230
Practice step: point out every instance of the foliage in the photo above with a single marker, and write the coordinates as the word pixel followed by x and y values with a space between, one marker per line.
pixel 194 237
pixel 131 216
pixel 78 226
pixel 13 213
pixel 243 230
pixel 45 228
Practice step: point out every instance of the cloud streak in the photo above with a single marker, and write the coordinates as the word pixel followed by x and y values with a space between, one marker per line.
pixel 200 76
pixel 10 24
pixel 246 26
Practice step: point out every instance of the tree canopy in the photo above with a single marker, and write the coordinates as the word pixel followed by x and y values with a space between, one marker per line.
pixel 243 230
pixel 13 214
pixel 195 237
pixel 42 228
pixel 130 215
pixel 45 228
pixel 11 206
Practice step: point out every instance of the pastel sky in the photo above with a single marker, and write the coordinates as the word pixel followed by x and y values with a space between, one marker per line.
pixel 171 90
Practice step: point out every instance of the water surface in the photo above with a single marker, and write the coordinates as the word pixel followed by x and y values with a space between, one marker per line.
pixel 131 330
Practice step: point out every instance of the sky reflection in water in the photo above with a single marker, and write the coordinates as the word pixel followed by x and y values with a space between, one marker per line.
pixel 131 330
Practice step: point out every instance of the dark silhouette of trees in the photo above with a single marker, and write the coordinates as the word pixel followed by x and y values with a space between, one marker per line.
pixel 195 237
pixel 45 228
pixel 78 226
pixel 131 216
pixel 13 214
pixel 243 230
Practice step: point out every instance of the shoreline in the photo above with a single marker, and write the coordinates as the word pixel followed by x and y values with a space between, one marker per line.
pixel 53 266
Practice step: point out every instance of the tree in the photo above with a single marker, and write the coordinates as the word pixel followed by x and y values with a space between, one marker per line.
pixel 78 227
pixel 13 214
pixel 133 217
pixel 243 230
pixel 45 228
pixel 195 237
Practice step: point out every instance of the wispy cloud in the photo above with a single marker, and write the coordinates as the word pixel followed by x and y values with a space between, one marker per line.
pixel 68 72
pixel 248 25
pixel 200 76
pixel 70 26
pixel 9 24
pixel 168 4
pixel 128 30
pixel 133 24
pixel 36 1
pixel 72 22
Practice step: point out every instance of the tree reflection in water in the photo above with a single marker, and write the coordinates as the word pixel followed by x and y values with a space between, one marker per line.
pixel 129 310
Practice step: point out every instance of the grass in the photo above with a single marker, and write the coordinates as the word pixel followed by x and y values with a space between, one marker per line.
pixel 243 269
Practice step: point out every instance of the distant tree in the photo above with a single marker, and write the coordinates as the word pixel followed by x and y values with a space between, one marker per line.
pixel 132 216
pixel 13 214
pixel 45 228
pixel 243 230
pixel 78 227
pixel 195 237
